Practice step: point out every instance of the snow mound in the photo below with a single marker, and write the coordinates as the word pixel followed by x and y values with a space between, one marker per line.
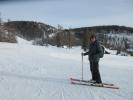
pixel 23 41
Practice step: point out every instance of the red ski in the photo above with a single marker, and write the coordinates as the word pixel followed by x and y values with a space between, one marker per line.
pixel 73 79
pixel 91 84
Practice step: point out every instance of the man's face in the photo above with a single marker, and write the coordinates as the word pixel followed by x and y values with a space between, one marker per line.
pixel 93 40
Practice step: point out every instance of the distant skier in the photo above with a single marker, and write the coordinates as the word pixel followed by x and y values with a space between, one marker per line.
pixel 95 53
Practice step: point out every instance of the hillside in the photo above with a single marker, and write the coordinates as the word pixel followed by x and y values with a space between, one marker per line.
pixel 105 29
pixel 114 37
pixel 29 30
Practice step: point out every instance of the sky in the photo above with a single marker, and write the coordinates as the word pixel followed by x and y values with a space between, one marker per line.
pixel 69 13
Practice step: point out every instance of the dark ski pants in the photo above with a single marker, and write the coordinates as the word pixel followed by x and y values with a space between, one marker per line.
pixel 94 68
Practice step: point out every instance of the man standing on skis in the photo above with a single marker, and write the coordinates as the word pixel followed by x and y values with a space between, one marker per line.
pixel 95 52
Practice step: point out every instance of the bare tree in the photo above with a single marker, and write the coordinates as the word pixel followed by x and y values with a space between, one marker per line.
pixel 86 38
pixel 7 34
pixel 70 38
pixel 59 36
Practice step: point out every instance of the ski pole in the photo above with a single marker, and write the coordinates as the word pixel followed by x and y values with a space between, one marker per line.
pixel 82 66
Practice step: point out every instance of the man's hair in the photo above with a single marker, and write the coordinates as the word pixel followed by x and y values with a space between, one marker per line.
pixel 92 36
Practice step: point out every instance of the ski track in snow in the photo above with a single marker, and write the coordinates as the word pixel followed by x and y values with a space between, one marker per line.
pixel 36 73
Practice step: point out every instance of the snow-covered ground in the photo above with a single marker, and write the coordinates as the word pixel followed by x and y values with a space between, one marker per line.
pixel 30 72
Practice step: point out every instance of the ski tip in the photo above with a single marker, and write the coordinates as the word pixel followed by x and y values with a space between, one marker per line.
pixel 117 88
pixel 113 87
pixel 72 83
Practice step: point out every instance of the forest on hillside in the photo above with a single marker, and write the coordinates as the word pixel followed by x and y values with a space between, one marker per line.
pixel 114 37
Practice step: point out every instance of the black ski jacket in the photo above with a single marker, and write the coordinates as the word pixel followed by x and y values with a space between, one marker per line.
pixel 94 52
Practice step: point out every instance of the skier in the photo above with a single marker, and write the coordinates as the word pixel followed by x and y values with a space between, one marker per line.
pixel 95 53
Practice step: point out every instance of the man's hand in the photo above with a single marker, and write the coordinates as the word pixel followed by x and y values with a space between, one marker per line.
pixel 82 54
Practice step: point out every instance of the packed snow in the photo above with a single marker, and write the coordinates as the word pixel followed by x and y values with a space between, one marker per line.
pixel 30 72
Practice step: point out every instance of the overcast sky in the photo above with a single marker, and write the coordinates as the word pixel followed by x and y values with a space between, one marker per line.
pixel 70 13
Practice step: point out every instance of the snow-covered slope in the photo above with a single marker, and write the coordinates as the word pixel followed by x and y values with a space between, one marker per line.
pixel 23 41
pixel 38 73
